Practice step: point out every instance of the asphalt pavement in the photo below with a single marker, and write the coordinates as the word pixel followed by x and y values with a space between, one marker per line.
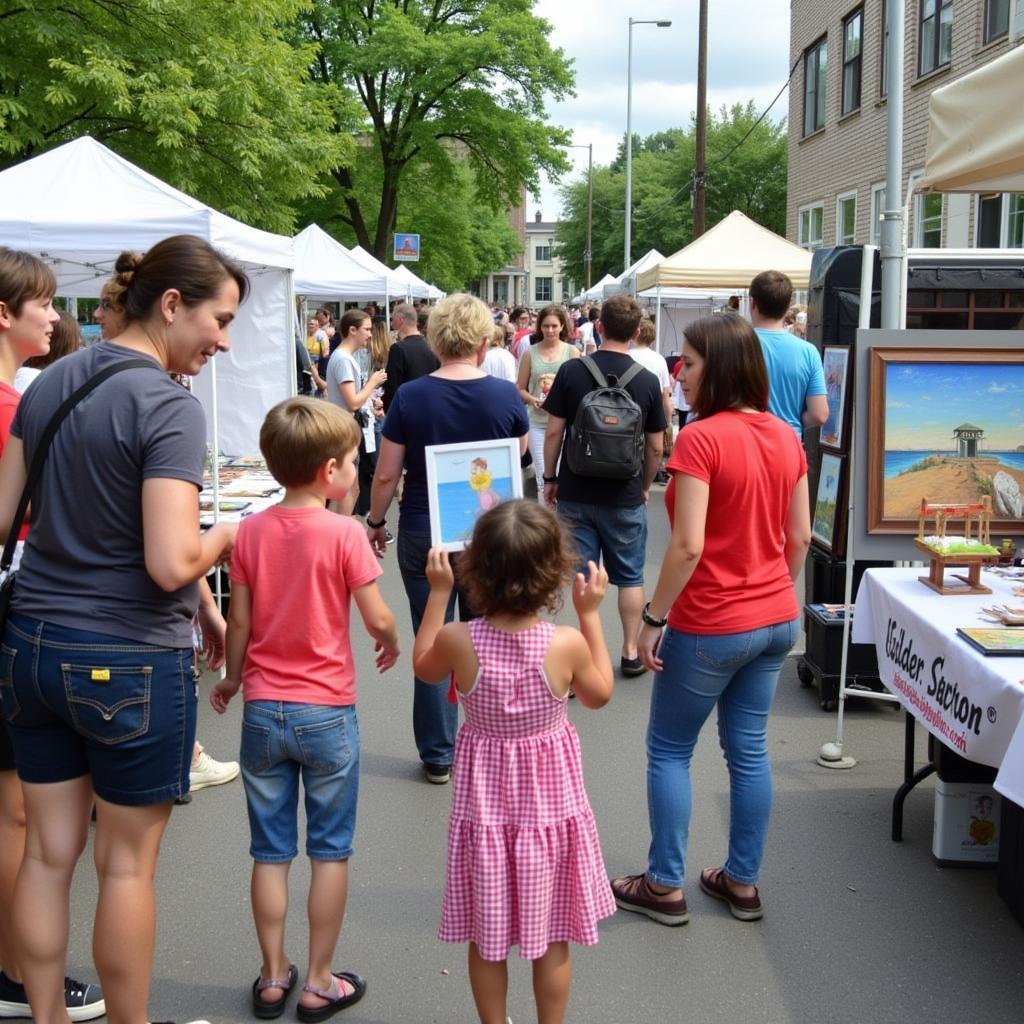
pixel 857 928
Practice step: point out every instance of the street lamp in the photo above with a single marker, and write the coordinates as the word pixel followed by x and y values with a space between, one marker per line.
pixel 661 23
pixel 588 255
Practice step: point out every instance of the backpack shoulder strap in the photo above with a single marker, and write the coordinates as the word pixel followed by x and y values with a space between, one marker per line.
pixel 629 374
pixel 595 371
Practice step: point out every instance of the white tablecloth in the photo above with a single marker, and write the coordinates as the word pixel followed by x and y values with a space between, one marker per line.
pixel 972 703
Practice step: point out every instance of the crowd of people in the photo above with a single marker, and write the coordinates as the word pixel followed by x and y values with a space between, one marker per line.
pixel 97 689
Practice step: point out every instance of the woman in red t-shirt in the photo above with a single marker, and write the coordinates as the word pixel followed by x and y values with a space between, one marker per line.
pixel 740 518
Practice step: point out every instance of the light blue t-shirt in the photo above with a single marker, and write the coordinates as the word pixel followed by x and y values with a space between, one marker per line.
pixel 794 375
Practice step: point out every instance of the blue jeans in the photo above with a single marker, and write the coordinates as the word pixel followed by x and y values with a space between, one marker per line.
pixel 281 741
pixel 434 717
pixel 81 703
pixel 739 673
pixel 616 533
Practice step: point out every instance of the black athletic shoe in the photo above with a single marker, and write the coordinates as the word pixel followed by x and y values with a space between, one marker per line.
pixel 84 1002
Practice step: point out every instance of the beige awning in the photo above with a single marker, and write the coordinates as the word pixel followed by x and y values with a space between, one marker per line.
pixel 976 130
pixel 730 255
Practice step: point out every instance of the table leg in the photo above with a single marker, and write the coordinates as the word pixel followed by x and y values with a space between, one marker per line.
pixel 910 778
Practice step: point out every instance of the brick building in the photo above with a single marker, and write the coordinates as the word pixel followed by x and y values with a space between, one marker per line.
pixel 837 119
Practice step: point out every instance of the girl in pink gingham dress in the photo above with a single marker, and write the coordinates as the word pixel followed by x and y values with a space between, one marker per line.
pixel 524 859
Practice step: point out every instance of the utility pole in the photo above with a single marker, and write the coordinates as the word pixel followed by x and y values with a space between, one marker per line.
pixel 590 212
pixel 702 120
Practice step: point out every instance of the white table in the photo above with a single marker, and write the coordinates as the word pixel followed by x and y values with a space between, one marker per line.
pixel 972 703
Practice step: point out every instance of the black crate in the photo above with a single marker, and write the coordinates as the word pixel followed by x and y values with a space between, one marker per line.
pixel 825 577
pixel 1010 870
pixel 822 660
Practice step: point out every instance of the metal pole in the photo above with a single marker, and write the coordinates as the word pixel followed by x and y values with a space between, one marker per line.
pixel 590 211
pixel 702 119
pixel 629 147
pixel 892 250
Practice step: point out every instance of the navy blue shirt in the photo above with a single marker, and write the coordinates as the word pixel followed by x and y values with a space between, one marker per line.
pixel 432 410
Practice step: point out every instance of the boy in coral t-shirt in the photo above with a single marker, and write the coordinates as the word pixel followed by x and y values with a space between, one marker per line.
pixel 293 569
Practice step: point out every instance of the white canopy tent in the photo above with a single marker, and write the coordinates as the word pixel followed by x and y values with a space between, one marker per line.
pixel 415 286
pixel 626 281
pixel 396 285
pixel 325 269
pixel 595 293
pixel 79 205
pixel 729 255
pixel 976 130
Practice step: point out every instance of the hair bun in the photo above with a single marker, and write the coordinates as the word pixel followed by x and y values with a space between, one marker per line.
pixel 126 265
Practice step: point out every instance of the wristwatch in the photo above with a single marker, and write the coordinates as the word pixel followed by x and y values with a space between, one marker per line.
pixel 375 526
pixel 550 479
pixel 650 619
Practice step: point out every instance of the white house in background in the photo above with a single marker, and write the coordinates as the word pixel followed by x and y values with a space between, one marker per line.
pixel 545 281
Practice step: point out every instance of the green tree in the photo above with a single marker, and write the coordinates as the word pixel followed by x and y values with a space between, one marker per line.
pixel 438 83
pixel 213 97
pixel 746 170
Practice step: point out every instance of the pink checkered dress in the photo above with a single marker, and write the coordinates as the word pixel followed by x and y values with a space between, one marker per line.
pixel 524 859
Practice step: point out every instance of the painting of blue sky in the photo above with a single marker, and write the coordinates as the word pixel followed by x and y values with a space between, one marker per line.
pixel 925 402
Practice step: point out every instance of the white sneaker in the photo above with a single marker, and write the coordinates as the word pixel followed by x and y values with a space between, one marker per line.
pixel 208 772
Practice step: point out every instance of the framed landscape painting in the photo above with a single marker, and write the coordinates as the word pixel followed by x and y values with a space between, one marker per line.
pixel 945 425
pixel 826 521
pixel 836 363
pixel 464 480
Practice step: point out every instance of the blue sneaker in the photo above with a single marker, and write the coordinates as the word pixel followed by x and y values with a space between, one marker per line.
pixel 83 1002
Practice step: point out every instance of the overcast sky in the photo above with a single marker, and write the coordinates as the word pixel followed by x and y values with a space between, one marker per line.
pixel 748 52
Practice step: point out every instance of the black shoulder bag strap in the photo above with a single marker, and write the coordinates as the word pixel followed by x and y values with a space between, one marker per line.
pixel 39 456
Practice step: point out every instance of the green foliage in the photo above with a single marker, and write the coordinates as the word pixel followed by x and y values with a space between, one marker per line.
pixel 751 178
pixel 211 97
pixel 459 241
pixel 439 84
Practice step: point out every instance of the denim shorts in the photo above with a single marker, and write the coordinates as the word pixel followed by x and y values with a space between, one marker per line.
pixel 617 534
pixel 280 742
pixel 81 703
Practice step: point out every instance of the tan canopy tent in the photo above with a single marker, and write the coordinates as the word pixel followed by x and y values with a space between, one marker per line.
pixel 976 130
pixel 730 255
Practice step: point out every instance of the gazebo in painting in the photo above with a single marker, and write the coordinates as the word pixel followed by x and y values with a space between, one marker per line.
pixel 967 436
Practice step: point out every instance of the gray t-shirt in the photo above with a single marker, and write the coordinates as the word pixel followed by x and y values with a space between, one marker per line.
pixel 84 563
pixel 343 367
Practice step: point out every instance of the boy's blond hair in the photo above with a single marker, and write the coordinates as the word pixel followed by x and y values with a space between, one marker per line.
pixel 300 434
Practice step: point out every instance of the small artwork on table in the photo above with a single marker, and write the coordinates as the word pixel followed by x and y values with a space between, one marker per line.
pixel 836 362
pixel 464 480
pixel 825 520
pixel 945 424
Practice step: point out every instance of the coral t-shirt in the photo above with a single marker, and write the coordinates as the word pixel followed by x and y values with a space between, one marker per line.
pixel 9 399
pixel 301 566
pixel 751 463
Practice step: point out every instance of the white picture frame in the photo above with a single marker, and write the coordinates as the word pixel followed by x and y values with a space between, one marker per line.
pixel 466 479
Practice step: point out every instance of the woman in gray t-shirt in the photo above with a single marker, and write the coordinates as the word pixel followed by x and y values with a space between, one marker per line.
pixel 95 672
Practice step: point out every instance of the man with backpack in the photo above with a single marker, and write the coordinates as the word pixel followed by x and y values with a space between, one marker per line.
pixel 608 411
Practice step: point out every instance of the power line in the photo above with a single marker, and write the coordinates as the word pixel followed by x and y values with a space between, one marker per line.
pixel 690 181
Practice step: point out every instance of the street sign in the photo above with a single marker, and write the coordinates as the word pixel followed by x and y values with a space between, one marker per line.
pixel 407 248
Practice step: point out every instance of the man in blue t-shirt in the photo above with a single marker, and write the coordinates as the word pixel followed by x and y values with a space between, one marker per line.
pixel 796 380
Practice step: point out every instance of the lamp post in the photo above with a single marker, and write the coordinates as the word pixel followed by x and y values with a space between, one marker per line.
pixel 661 23
pixel 588 255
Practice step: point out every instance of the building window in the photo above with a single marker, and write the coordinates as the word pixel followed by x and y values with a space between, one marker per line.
pixel 846 218
pixel 810 225
pixel 543 254
pixel 935 35
pixel 928 221
pixel 992 310
pixel 1000 221
pixel 997 19
pixel 853 34
pixel 815 68
pixel 883 78
pixel 542 289
pixel 877 207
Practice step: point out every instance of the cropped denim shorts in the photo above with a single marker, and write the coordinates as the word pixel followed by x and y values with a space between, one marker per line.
pixel 81 703
pixel 282 741
pixel 618 535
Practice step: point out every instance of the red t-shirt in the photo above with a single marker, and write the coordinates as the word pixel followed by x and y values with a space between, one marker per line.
pixel 751 463
pixel 9 399
pixel 301 566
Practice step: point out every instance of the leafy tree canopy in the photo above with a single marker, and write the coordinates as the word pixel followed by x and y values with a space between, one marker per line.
pixel 210 96
pixel 439 82
pixel 744 172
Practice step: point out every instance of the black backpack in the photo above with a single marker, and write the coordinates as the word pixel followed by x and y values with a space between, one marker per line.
pixel 606 438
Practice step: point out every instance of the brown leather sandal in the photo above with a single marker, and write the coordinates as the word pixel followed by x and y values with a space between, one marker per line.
pixel 634 892
pixel 743 908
